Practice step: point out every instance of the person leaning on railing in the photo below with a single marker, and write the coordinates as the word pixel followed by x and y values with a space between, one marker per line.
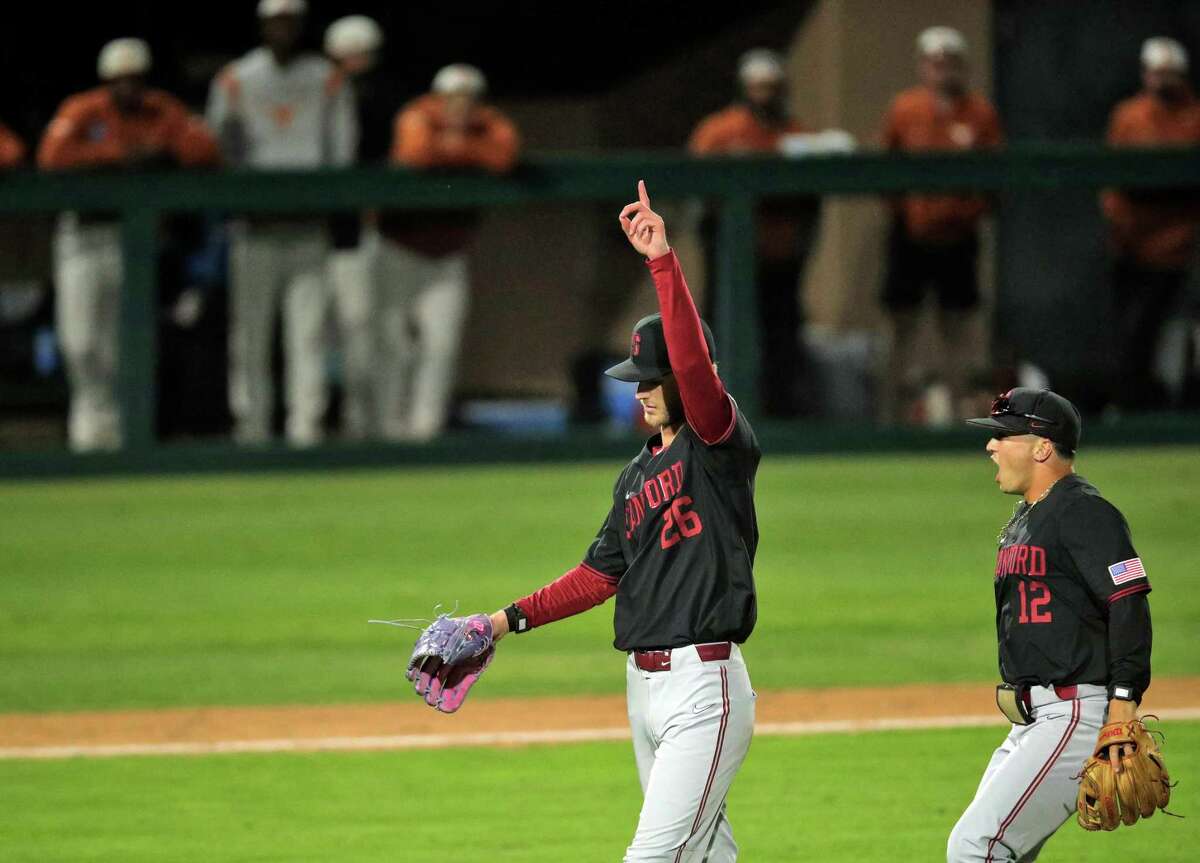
pixel 121 124
pixel 423 280
pixel 934 241
pixel 1153 234
pixel 760 123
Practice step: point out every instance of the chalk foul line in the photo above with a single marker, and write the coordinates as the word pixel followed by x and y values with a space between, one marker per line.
pixel 495 738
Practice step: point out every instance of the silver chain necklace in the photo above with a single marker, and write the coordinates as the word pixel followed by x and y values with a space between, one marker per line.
pixel 1021 510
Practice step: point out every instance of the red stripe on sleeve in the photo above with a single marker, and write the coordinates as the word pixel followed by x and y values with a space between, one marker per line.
pixel 706 404
pixel 573 592
pixel 1129 591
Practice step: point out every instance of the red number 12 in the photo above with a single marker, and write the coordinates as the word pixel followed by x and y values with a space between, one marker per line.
pixel 1039 598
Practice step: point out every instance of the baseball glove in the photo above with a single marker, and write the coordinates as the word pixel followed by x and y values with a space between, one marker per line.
pixel 450 655
pixel 1108 799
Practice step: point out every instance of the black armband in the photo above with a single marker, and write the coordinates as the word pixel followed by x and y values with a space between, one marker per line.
pixel 1123 692
pixel 517 621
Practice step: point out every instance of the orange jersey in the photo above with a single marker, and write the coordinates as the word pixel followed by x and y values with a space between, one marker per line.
pixel 919 121
pixel 12 148
pixel 89 131
pixel 736 130
pixel 1157 229
pixel 422 138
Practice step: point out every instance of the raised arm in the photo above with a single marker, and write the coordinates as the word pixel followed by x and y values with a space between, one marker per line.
pixel 709 410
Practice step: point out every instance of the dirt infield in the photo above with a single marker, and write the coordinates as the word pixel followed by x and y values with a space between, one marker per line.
pixel 496 720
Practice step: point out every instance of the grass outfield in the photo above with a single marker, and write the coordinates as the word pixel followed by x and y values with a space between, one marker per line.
pixel 864 798
pixel 256 589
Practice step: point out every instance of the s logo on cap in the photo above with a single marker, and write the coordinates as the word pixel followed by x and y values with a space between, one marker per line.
pixel 636 347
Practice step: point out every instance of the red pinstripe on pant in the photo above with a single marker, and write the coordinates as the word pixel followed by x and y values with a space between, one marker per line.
pixel 1037 780
pixel 712 771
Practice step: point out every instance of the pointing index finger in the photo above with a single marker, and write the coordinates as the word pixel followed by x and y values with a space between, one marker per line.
pixel 643 195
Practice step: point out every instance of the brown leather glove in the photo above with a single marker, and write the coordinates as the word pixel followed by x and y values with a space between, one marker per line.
pixel 1108 799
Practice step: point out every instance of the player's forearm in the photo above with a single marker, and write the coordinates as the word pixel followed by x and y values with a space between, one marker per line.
pixel 1130 638
pixel 576 591
pixel 705 401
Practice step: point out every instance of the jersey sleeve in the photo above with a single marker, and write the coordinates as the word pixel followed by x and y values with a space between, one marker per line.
pixel 1096 537
pixel 343 120
pixel 604 555
pixel 66 145
pixel 708 408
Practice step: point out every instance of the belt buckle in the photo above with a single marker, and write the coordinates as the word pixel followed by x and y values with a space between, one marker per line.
pixel 1012 701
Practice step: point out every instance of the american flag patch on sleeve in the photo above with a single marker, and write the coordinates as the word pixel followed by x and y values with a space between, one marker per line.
pixel 1127 570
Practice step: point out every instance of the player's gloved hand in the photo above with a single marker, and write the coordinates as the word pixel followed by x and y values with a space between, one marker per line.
pixel 1114 794
pixel 449 656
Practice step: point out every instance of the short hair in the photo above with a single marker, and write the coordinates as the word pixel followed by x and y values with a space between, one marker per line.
pixel 1064 451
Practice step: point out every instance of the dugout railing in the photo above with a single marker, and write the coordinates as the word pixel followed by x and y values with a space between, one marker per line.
pixel 731 186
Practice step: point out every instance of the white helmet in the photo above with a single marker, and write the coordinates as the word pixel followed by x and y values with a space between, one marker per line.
pixel 354 34
pixel 460 78
pixel 760 65
pixel 123 57
pixel 271 8
pixel 1162 52
pixel 935 41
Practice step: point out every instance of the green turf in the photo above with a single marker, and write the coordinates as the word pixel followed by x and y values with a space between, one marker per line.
pixel 256 589
pixel 863 798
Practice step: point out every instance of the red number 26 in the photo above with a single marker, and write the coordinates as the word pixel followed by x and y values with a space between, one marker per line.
pixel 679 523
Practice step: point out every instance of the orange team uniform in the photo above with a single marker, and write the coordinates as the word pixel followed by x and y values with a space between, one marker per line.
pixel 1156 229
pixel 423 139
pixel 784 233
pixel 736 131
pixel 89 131
pixel 917 122
pixel 12 148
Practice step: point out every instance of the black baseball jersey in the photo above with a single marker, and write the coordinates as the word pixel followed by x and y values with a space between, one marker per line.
pixel 681 537
pixel 1071 594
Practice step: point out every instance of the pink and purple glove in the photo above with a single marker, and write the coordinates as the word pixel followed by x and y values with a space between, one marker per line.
pixel 449 657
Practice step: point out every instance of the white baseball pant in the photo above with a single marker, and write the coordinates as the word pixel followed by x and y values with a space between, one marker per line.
pixel 691 726
pixel 422 309
pixel 1031 783
pixel 87 281
pixel 265 262
pixel 352 277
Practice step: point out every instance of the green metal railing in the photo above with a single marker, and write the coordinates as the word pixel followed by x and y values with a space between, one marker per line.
pixel 732 186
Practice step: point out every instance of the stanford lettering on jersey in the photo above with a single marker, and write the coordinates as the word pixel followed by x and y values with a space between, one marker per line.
pixel 656 491
pixel 1021 560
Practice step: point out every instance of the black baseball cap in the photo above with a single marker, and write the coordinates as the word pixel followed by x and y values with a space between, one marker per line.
pixel 1025 410
pixel 648 352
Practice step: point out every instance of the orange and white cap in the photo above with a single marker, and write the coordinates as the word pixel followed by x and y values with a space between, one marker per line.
pixel 460 78
pixel 122 57
pixel 760 66
pixel 937 41
pixel 272 8
pixel 353 34
pixel 1162 52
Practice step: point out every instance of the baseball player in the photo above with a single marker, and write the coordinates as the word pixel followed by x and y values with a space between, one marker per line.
pixel 120 124
pixel 1073 623
pixel 353 43
pixel 280 107
pixel 423 278
pixel 676 549
pixel 1153 234
pixel 934 240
